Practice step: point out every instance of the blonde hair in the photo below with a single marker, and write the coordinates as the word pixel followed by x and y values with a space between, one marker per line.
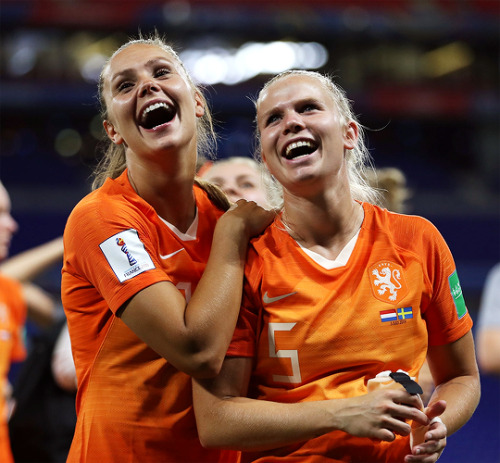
pixel 113 162
pixel 358 159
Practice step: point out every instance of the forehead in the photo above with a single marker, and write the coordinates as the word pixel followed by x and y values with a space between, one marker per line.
pixel 291 88
pixel 137 55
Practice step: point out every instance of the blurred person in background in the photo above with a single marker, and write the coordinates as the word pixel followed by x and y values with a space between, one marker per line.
pixel 320 316
pixel 25 267
pixel 392 184
pixel 488 324
pixel 12 319
pixel 240 178
pixel 153 267
pixel 43 419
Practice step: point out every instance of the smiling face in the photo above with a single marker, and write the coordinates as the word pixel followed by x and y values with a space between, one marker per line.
pixel 302 134
pixel 150 102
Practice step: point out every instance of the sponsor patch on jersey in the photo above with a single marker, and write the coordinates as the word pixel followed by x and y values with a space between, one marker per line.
pixel 387 281
pixel 126 255
pixel 456 292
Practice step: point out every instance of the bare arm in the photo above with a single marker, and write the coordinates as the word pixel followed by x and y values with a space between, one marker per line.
pixel 454 369
pixel 456 375
pixel 62 364
pixel 227 419
pixel 41 305
pixel 194 337
pixel 28 264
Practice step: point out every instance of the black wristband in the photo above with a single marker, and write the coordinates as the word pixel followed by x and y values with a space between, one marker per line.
pixel 412 387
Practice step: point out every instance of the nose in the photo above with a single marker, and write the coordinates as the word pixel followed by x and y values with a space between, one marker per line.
pixel 12 224
pixel 8 223
pixel 293 122
pixel 148 86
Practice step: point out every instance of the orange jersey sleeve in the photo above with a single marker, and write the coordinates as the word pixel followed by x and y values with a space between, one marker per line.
pixel 132 405
pixel 321 332
pixel 12 349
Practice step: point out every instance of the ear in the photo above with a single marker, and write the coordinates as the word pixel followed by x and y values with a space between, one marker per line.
pixel 351 131
pixel 199 105
pixel 263 156
pixel 113 135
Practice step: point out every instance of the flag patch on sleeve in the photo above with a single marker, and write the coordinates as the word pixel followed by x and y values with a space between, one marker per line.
pixel 456 293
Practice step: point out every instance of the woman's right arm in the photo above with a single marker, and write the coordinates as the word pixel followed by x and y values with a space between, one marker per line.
pixel 227 419
pixel 194 336
pixel 28 264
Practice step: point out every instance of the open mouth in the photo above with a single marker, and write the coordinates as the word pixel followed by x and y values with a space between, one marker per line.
pixel 300 148
pixel 157 114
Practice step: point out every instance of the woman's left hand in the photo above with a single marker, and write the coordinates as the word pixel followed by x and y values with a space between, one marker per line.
pixel 434 443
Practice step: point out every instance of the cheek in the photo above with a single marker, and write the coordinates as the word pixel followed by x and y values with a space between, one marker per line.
pixel 117 109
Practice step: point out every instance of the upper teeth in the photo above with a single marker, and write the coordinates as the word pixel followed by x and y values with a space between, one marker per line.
pixel 298 144
pixel 155 106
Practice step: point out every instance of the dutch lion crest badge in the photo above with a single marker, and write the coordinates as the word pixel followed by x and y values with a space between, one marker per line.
pixel 387 281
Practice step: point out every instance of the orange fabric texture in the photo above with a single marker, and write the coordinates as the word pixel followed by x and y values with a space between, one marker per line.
pixel 132 405
pixel 12 349
pixel 322 334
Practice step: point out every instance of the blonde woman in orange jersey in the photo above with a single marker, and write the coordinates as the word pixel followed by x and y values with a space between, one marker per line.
pixel 337 290
pixel 141 316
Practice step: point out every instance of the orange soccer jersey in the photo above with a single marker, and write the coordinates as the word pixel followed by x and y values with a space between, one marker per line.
pixel 320 329
pixel 132 405
pixel 12 349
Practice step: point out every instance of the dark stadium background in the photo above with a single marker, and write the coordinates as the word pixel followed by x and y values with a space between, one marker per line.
pixel 439 124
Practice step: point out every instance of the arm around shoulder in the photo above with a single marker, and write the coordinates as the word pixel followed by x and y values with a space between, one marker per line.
pixel 194 335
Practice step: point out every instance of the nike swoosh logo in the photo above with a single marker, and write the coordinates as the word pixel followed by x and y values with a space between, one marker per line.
pixel 270 300
pixel 168 256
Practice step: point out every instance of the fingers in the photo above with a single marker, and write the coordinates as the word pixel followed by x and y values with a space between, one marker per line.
pixel 256 218
pixel 435 442
pixel 406 406
pixel 396 408
pixel 437 431
pixel 435 409
pixel 428 452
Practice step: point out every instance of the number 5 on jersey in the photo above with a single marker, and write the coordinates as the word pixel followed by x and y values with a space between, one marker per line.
pixel 185 286
pixel 291 354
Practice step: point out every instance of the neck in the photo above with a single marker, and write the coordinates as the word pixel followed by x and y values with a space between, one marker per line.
pixel 170 195
pixel 324 224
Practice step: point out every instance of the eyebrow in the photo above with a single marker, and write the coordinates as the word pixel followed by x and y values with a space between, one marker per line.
pixel 129 71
